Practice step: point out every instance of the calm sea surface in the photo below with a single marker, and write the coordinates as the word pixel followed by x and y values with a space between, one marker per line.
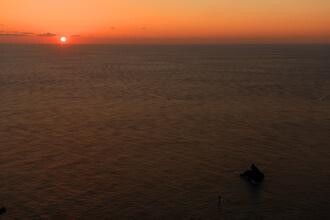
pixel 159 132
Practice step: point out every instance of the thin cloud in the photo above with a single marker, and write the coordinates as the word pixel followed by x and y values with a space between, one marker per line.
pixel 15 34
pixel 47 35
pixel 27 33
pixel 75 35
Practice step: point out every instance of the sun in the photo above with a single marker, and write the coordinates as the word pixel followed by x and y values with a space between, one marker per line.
pixel 63 39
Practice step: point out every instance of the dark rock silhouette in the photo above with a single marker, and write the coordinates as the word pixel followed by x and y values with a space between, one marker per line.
pixel 3 210
pixel 254 175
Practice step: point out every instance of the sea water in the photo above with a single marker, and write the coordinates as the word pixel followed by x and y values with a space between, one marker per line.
pixel 161 131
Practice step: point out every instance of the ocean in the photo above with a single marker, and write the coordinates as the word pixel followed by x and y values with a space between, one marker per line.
pixel 161 131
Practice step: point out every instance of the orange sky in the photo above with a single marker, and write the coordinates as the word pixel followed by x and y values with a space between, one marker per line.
pixel 157 21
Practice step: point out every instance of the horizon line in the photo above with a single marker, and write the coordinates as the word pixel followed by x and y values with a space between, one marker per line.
pixel 171 43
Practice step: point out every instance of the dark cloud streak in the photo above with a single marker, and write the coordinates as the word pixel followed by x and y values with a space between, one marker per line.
pixel 15 34
pixel 47 35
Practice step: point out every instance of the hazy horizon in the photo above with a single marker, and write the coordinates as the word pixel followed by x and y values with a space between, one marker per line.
pixel 173 43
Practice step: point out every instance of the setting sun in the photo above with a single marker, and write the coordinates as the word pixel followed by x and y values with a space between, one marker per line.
pixel 63 39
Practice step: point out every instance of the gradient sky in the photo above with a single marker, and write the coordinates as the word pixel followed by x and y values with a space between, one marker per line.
pixel 209 21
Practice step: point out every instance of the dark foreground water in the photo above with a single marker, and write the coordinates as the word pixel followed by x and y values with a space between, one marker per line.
pixel 159 132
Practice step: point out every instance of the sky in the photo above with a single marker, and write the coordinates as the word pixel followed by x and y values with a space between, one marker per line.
pixel 165 21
